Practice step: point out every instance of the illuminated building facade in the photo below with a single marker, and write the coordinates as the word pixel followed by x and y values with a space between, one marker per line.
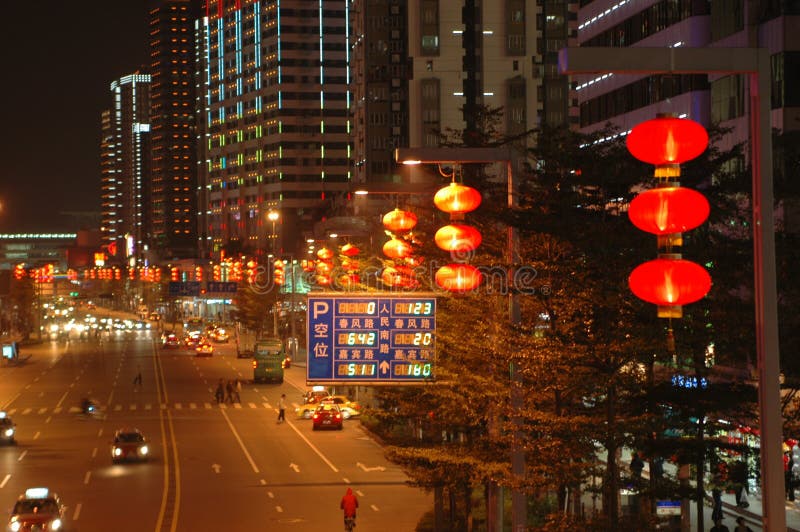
pixel 273 119
pixel 171 231
pixel 626 100
pixel 108 179
pixel 128 137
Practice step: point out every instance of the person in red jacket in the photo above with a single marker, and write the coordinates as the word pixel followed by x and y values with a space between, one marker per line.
pixel 349 504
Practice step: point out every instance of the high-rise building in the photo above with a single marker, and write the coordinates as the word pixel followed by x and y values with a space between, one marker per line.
pixel 626 100
pixel 126 138
pixel 273 119
pixel 108 180
pixel 171 231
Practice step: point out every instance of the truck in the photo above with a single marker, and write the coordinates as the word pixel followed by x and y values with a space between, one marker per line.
pixel 245 342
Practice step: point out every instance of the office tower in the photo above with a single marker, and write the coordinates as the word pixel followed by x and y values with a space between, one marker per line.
pixel 171 231
pixel 273 122
pixel 108 181
pixel 626 100
pixel 128 141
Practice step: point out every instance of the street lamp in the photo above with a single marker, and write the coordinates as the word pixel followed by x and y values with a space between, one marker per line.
pixel 415 156
pixel 755 63
pixel 273 217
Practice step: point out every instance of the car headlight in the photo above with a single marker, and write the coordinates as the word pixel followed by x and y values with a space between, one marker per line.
pixel 14 526
pixel 117 451
pixel 143 449
pixel 9 433
pixel 55 524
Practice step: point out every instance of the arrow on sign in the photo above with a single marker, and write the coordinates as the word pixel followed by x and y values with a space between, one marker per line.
pixel 216 467
pixel 384 367
pixel 295 467
pixel 368 469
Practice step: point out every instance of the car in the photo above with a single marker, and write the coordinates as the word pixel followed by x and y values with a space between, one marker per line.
pixel 7 429
pixel 171 341
pixel 220 335
pixel 37 509
pixel 204 349
pixel 348 408
pixel 129 445
pixel 192 340
pixel 327 416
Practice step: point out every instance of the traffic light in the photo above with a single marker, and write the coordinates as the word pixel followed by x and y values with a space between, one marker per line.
pixel 198 274
pixel 252 272
pixel 19 272
pixel 174 274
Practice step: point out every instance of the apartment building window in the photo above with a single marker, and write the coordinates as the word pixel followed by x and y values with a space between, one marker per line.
pixel 727 98
pixel 785 80
pixel 727 18
pixel 429 22
pixel 515 27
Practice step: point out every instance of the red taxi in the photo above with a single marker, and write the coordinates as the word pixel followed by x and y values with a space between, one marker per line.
pixel 37 509
pixel 328 416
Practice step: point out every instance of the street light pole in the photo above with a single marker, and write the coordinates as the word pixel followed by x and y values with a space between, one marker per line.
pixel 755 63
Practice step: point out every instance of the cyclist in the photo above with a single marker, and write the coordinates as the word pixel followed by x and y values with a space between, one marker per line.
pixel 349 504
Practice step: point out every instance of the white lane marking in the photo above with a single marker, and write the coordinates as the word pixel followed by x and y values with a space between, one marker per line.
pixel 241 443
pixel 346 480
pixel 319 453
pixel 42 410
pixel 21 456
pixel 207 405
pixel 178 406
pixel 193 406
pixel 36 436
pixel 94 452
pixel 266 405
pixel 26 411
pixel 117 407
pixel 271 495
pixel 3 484
pixel 279 509
pixel 99 432
pixel 375 508
pixel 77 512
pixel 86 477
pixel 295 467
pixel 148 406
pixel 72 385
pixel 263 482
pixel 359 493
pixel 36 379
pixel 12 411
pixel 251 405
pixel 237 405
pixel 46 421
pixel 58 405
pixel 133 406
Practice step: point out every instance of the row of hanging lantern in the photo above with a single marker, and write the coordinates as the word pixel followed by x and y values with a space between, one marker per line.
pixel 399 225
pixel 667 211
pixel 457 238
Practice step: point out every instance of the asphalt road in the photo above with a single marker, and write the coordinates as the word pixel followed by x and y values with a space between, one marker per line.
pixel 213 467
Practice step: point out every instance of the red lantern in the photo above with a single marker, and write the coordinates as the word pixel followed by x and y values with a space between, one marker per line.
pixel 349 250
pixel 458 277
pixel 350 265
pixel 457 237
pixel 667 140
pixel 323 280
pixel 457 199
pixel 400 277
pixel 397 249
pixel 669 282
pixel 325 253
pixel 399 221
pixel 668 210
pixel 324 267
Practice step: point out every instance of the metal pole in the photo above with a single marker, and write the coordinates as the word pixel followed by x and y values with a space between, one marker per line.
pixel 754 62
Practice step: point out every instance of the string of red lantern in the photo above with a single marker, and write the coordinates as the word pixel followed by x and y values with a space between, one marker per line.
pixel 457 199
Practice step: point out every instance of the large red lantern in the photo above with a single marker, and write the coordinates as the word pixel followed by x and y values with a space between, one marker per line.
pixel 457 199
pixel 458 277
pixel 349 250
pixel 457 237
pixel 669 282
pixel 667 140
pixel 668 210
pixel 325 253
pixel 397 249
pixel 398 277
pixel 398 221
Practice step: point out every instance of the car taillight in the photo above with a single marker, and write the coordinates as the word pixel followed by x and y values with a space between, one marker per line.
pixel 316 416
pixel 338 416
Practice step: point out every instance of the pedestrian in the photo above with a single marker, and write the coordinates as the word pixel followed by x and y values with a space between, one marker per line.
pixel 637 465
pixel 741 526
pixel 282 408
pixel 220 392
pixel 788 464
pixel 229 392
pixel 738 473
pixel 719 527
pixel 237 389
pixel 716 496
pixel 137 380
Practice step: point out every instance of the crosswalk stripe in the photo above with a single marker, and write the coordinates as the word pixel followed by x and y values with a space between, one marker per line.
pixel 133 406
pixel 148 406
pixel 193 406
pixel 57 410
pixel 252 405
pixel 207 405
pixel 266 405
pixel 12 412
pixel 26 411
pixel 237 405
pixel 117 408
pixel 42 410
pixel 178 406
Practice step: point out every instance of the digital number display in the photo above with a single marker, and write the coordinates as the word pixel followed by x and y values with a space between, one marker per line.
pixel 422 369
pixel 367 338
pixel 356 307
pixel 356 369
pixel 413 308
pixel 419 339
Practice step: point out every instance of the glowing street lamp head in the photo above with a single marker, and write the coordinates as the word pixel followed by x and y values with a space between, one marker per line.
pixel 273 216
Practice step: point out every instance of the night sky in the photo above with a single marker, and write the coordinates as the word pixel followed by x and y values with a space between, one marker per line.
pixel 58 59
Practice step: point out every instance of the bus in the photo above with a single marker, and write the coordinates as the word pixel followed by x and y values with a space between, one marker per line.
pixel 268 356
